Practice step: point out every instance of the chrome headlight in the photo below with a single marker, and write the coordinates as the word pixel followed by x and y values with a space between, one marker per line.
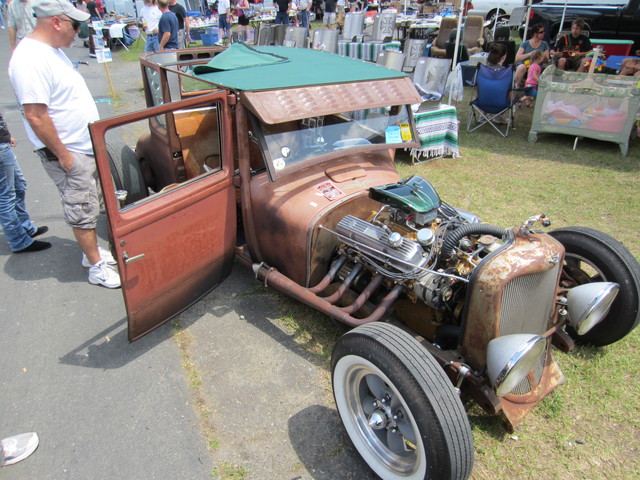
pixel 588 304
pixel 511 357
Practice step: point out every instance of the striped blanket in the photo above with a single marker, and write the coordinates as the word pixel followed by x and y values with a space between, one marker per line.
pixel 437 133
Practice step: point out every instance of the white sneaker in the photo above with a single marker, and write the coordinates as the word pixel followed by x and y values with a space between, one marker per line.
pixel 104 255
pixel 103 274
pixel 18 447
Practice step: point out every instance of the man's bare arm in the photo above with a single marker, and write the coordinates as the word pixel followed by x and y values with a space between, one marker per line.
pixel 37 114
pixel 13 36
pixel 165 38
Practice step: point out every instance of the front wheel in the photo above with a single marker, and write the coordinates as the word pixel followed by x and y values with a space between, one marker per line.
pixel 593 256
pixel 398 406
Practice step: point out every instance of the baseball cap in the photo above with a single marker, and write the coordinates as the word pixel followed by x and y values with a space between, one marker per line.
pixel 51 8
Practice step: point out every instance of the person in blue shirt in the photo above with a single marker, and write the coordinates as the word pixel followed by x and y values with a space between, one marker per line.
pixel 282 17
pixel 167 27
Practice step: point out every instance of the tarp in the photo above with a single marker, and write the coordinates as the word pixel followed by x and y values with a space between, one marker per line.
pixel 239 55
pixel 286 67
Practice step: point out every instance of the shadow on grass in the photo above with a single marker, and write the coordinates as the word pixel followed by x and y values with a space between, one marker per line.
pixel 489 425
pixel 588 352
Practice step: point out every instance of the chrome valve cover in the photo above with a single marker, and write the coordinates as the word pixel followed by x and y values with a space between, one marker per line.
pixel 373 241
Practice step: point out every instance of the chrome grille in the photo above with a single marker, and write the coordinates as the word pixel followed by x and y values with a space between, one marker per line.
pixel 527 304
pixel 526 296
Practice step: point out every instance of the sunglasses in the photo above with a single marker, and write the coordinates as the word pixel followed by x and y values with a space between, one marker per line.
pixel 540 32
pixel 75 24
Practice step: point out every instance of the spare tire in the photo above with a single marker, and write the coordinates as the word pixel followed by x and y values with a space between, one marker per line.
pixel 126 172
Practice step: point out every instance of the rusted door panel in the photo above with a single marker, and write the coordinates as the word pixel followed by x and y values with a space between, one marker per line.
pixel 175 246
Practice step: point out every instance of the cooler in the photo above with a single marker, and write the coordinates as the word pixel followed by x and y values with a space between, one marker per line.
pixel 613 47
pixel 210 38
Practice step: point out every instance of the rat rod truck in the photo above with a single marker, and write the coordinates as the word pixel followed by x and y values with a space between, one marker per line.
pixel 282 159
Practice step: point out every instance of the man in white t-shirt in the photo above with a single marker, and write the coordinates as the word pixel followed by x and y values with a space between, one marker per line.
pixel 224 18
pixel 58 107
pixel 150 15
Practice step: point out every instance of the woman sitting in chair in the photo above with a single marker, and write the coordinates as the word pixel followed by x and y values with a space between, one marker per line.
pixel 497 56
pixel 523 56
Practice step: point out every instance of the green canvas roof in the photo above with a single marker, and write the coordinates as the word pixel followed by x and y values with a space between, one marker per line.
pixel 241 67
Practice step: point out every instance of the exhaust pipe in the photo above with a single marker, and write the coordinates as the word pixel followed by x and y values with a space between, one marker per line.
pixel 272 277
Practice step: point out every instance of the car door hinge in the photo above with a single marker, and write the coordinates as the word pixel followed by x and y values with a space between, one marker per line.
pixel 232 99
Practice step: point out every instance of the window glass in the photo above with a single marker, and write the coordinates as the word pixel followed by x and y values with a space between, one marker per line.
pixel 291 145
pixel 144 161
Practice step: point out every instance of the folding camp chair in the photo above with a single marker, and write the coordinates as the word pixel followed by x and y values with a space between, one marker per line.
pixel 493 104
pixel 117 34
pixel 502 36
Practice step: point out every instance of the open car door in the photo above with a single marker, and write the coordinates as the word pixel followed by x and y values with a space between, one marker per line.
pixel 175 245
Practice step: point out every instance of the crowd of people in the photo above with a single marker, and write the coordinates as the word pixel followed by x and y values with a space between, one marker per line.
pixel 166 25
pixel 571 51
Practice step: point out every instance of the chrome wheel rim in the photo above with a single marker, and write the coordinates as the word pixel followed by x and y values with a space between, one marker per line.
pixel 379 416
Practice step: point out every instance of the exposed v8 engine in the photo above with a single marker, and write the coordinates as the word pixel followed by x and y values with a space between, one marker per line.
pixel 418 240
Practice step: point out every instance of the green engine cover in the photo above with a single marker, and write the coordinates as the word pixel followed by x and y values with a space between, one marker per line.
pixel 413 194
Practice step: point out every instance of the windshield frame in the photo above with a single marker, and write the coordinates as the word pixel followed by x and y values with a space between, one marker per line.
pixel 278 166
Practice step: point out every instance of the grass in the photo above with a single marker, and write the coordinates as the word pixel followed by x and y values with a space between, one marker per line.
pixel 314 336
pixel 228 471
pixel 194 378
pixel 588 428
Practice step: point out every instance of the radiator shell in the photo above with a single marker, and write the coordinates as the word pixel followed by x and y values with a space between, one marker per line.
pixel 512 292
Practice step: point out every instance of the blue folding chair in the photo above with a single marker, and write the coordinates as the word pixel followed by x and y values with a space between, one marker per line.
pixel 494 104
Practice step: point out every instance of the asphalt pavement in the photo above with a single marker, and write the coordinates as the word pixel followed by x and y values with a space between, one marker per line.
pixel 103 408
pixel 108 409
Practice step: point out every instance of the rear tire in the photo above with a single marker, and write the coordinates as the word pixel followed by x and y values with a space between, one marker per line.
pixel 593 256
pixel 126 172
pixel 398 406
